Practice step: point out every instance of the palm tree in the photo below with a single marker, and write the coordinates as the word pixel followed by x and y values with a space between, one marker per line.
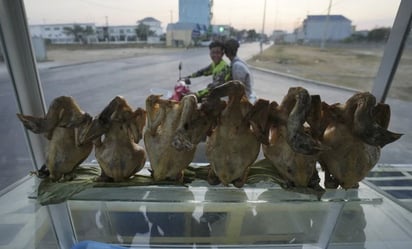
pixel 143 31
pixel 79 33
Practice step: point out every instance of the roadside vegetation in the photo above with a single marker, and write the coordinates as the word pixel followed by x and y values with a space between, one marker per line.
pixel 352 66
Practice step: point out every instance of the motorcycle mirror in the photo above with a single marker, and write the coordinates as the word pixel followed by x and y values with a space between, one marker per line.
pixel 180 69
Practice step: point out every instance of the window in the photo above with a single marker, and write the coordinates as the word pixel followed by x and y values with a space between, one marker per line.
pixel 351 62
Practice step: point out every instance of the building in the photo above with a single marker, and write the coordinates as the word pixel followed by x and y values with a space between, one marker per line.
pixel 56 33
pixel 278 36
pixel 180 34
pixel 326 27
pixel 195 11
pixel 154 25
pixel 193 24
pixel 121 33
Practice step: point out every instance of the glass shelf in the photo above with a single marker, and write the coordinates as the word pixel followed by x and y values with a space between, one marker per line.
pixel 261 215
pixel 229 217
pixel 204 193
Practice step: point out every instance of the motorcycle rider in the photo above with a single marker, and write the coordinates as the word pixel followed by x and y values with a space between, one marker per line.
pixel 219 69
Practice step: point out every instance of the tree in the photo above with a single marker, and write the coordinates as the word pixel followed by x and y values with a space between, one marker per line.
pixel 233 32
pixel 143 31
pixel 242 34
pixel 252 35
pixel 378 34
pixel 80 34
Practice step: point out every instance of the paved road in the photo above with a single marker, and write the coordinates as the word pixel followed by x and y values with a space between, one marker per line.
pixel 93 85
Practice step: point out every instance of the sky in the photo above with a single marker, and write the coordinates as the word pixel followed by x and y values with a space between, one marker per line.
pixel 240 14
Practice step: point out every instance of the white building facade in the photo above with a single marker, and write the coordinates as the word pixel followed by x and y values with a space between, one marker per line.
pixel 56 34
pixel 327 27
pixel 154 25
pixel 120 33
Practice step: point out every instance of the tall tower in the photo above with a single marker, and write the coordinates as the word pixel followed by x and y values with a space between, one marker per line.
pixel 195 11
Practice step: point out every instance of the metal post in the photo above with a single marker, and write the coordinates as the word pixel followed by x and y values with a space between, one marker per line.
pixel 20 59
pixel 62 225
pixel 393 51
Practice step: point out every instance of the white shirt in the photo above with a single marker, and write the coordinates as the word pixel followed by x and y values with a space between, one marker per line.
pixel 241 72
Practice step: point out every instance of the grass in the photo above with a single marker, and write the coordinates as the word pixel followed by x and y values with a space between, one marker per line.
pixel 353 67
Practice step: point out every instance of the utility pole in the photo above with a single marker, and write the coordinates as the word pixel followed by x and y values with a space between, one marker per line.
pixel 263 27
pixel 325 31
pixel 171 29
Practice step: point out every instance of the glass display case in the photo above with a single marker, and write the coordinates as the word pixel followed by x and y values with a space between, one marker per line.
pixel 198 215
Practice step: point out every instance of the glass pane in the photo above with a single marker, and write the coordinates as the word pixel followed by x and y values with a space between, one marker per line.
pixel 399 98
pixel 401 87
pixel 251 217
pixel 336 45
pixel 15 160
pixel 23 222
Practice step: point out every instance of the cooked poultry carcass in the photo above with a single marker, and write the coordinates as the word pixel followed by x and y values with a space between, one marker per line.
pixel 194 129
pixel 293 138
pixel 355 131
pixel 233 144
pixel 164 119
pixel 118 153
pixel 62 126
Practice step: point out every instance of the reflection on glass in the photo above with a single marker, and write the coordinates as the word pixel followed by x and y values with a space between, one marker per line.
pixel 401 87
pixel 224 216
pixel 143 223
pixel 285 224
pixel 351 226
pixel 15 160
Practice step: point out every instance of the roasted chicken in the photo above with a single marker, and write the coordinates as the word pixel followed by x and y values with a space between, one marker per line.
pixel 164 119
pixel 62 126
pixel 293 138
pixel 234 143
pixel 118 153
pixel 355 131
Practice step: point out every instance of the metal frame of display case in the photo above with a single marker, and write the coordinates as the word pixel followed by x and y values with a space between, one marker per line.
pixel 393 51
pixel 18 53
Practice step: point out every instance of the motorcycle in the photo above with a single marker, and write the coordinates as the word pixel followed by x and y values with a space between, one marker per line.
pixel 181 87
